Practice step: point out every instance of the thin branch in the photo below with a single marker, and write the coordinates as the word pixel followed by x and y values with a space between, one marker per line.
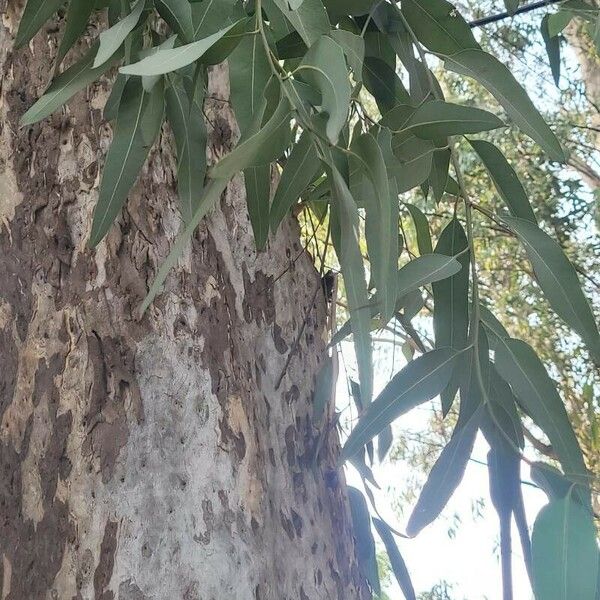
pixel 506 15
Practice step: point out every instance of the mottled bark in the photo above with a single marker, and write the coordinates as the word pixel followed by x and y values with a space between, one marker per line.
pixel 153 458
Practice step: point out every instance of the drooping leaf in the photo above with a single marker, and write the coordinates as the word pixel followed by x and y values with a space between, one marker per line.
pixel 353 47
pixel 439 172
pixel 384 443
pixel 258 149
pixel 505 179
pixel 351 262
pixel 249 73
pixel 438 25
pixel 511 6
pixel 77 18
pixel 365 544
pixel 558 280
pixel 381 210
pixel 36 13
pixel 551 480
pixel 349 7
pixel 112 38
pixel 498 79
pixel 324 68
pixel 552 44
pixel 310 20
pixel 178 15
pixel 258 188
pixel 138 123
pixel 209 16
pixel 565 552
pixel 299 171
pixel 396 561
pixel 189 130
pixel 520 367
pixel 419 381
pixel 421 229
pixel 166 61
pixel 66 85
pixel 451 299
pixel 384 84
pixel 446 474
pixel 437 119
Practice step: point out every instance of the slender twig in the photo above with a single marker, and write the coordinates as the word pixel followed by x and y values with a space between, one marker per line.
pixel 506 15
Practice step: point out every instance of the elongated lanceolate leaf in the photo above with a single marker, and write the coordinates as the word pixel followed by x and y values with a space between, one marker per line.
pixel 300 169
pixel 419 381
pixel 138 123
pixel 505 179
pixel 445 476
pixel 353 47
pixel 111 39
pixel 36 13
pixel 166 61
pixel 258 190
pixel 65 86
pixel 558 280
pixel 520 367
pixel 189 129
pixel 77 19
pixel 310 20
pixel 498 79
pixel 178 14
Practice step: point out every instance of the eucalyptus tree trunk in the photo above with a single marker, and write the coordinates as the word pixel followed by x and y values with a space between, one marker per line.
pixel 153 458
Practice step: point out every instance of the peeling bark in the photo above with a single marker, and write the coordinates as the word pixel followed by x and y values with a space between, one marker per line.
pixel 154 458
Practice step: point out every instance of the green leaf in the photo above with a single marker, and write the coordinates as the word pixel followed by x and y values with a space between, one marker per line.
pixel 557 22
pixel 249 73
pixel 565 552
pixel 384 84
pixel 438 25
pixel 519 366
pixel 450 296
pixel 77 19
pixel 364 542
pixel 384 443
pixel 138 123
pixel 558 280
pixel 66 85
pixel 381 210
pixel 166 61
pixel 178 15
pixel 209 16
pixel 349 7
pixel 300 169
pixel 310 20
pixel 396 561
pixel 437 119
pixel 353 47
pixel 446 474
pixel 189 129
pixel 498 79
pixel 421 229
pixel 324 67
pixel 439 173
pixel 419 381
pixel 111 39
pixel 351 263
pixel 259 149
pixel 505 179
pixel 36 13
pixel 258 190
pixel 552 44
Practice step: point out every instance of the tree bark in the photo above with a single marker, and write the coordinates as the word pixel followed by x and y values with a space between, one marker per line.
pixel 153 458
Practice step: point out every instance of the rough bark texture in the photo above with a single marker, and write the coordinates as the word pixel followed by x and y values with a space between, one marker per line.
pixel 152 459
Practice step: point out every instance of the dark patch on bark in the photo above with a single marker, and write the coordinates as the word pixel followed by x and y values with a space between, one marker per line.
pixel 106 563
pixel 128 590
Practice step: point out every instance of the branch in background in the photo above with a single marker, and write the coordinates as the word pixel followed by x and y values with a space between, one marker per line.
pixel 542 448
pixel 506 15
